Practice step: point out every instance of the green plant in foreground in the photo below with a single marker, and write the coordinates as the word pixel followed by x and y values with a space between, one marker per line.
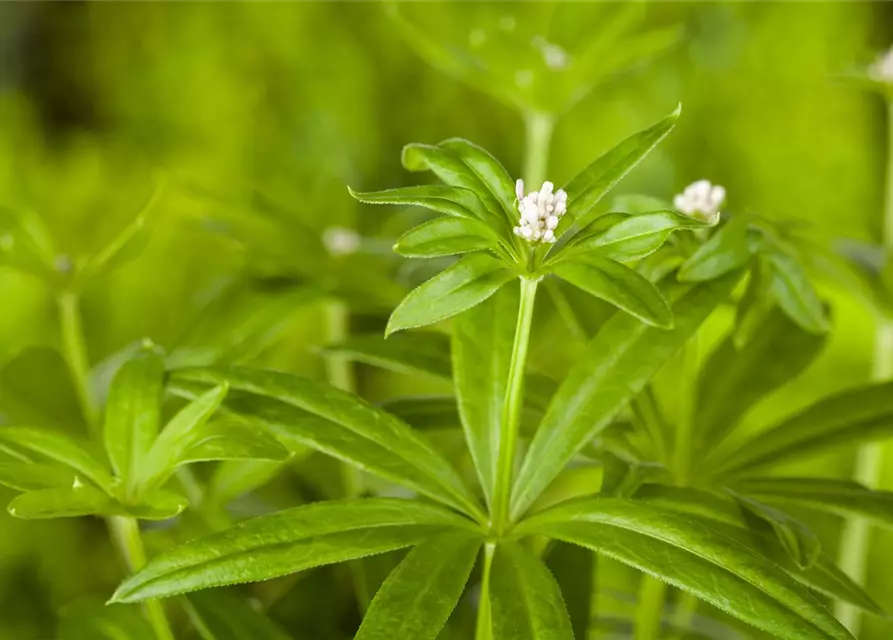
pixel 448 528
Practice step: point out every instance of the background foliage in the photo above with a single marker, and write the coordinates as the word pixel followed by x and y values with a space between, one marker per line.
pixel 255 116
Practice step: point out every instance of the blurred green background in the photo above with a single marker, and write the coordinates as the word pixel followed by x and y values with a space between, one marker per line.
pixel 247 120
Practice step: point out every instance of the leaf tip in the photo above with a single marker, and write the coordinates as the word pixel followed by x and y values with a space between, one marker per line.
pixel 677 111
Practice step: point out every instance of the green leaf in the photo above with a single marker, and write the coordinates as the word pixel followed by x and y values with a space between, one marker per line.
pixel 60 448
pixel 619 285
pixel 852 416
pixel 468 282
pixel 841 497
pixel 345 426
pixel 426 413
pixel 77 500
pixel 417 598
pixel 218 615
pixel 754 308
pixel 615 366
pixel 574 569
pixel 798 540
pixel 409 353
pixel 446 237
pixel 633 237
pixel 731 382
pixel 234 478
pixel 824 577
pixel 591 184
pixel 28 476
pixel 233 440
pixel 132 412
pixel 791 288
pixel 449 200
pixel 482 351
pixel 693 554
pixel 91 620
pixel 489 171
pixel 525 601
pixel 289 541
pixel 727 250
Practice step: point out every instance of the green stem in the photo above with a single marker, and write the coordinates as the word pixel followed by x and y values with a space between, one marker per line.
pixel 856 536
pixel 126 532
pixel 483 629
pixel 74 350
pixel 340 373
pixel 649 612
pixel 683 614
pixel 538 135
pixel 688 395
pixel 511 409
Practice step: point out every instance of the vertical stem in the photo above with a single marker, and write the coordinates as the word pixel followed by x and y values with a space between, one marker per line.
pixel 340 373
pixel 74 350
pixel 484 630
pixel 649 613
pixel 538 135
pixel 688 395
pixel 856 536
pixel 126 532
pixel 511 410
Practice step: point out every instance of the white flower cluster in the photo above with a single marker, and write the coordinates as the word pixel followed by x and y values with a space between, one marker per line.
pixel 882 69
pixel 540 212
pixel 701 200
pixel 339 241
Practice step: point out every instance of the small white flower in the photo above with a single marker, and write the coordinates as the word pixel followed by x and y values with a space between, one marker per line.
pixel 554 56
pixel 340 241
pixel 701 200
pixel 540 212
pixel 882 69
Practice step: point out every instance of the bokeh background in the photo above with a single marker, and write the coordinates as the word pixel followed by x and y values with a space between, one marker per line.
pixel 246 121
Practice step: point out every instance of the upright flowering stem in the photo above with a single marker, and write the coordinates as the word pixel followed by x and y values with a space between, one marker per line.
pixel 511 409
pixel 855 540
pixel 538 131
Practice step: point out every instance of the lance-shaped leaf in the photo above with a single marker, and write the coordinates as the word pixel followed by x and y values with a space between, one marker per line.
pixel 591 184
pixel 417 598
pixel 798 540
pixel 132 411
pixel 733 381
pixel 791 288
pixel 489 171
pixel 632 238
pixel 447 237
pixel 852 416
pixel 482 351
pixel 525 601
pixel 616 365
pixel 60 448
pixel 29 476
pixel 727 250
pixel 693 554
pixel 94 620
pixel 452 201
pixel 842 497
pixel 288 541
pixel 342 425
pixel 218 615
pixel 77 500
pixel 468 282
pixel 574 569
pixel 619 285
pixel 421 412
pixel 824 577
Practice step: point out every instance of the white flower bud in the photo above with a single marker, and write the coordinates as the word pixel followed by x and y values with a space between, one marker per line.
pixel 701 200
pixel 540 212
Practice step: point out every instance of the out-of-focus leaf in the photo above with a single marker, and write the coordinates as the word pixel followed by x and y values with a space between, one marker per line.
pixel 482 351
pixel 619 285
pixel 234 478
pixel 411 353
pixel 78 500
pixel 343 425
pixel 798 540
pixel 573 567
pixel 691 554
pixel 420 594
pixel 792 289
pixel 35 388
pixel 728 249
pixel 525 601
pixel 132 412
pixel 468 282
pixel 25 476
pixel 614 368
pixel 97 621
pixel 842 497
pixel 425 412
pixel 852 416
pixel 731 382
pixel 289 541
pixel 60 448
pixel 590 185
pixel 446 237
pixel 754 308
pixel 218 615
